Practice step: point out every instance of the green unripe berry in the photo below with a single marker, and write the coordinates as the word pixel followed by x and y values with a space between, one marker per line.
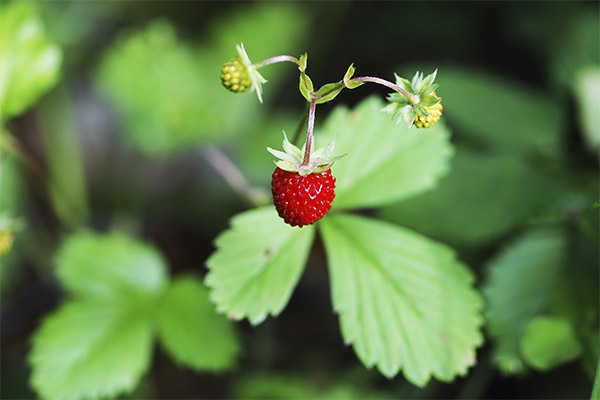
pixel 235 76
pixel 435 112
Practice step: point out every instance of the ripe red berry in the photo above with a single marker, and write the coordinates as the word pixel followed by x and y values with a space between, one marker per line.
pixel 302 200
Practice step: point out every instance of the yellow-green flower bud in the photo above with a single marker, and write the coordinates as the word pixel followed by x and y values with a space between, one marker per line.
pixel 434 111
pixel 235 76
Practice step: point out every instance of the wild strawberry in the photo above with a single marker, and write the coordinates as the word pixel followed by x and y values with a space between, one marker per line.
pixel 303 191
pixel 235 76
pixel 434 111
pixel 302 200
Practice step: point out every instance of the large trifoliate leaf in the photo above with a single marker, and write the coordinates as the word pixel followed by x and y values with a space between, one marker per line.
pixel 487 194
pixel 499 113
pixel 191 331
pixel 93 265
pixel 30 63
pixel 90 349
pixel 385 161
pixel 405 302
pixel 517 290
pixel 257 264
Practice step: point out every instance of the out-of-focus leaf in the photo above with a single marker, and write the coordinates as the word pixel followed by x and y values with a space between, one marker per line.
pixel 483 197
pixel 404 301
pixel 277 386
pixel 587 91
pixel 517 290
pixel 257 264
pixel 90 349
pixel 191 331
pixel 90 265
pixel 549 341
pixel 30 63
pixel 168 92
pixel 596 388
pixel 385 162
pixel 500 114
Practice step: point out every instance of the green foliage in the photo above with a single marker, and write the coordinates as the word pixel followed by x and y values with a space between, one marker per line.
pixel 500 114
pixel 586 87
pixel 596 388
pixel 380 153
pixel 404 301
pixel 164 88
pixel 190 330
pixel 90 266
pixel 90 349
pixel 30 63
pixel 279 386
pixel 549 341
pixel 489 194
pixel 98 343
pixel 257 264
pixel 518 289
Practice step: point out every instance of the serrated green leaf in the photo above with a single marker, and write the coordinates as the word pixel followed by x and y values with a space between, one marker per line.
pixel 480 211
pixel 30 63
pixel 190 329
pixel 306 86
pixel 517 289
pixel 90 349
pixel 587 89
pixel 328 92
pixel 91 265
pixel 549 341
pixel 404 301
pixel 385 162
pixel 257 264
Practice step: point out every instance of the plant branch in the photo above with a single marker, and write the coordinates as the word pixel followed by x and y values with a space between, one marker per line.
pixel 309 132
pixel 234 177
pixel 413 98
pixel 277 59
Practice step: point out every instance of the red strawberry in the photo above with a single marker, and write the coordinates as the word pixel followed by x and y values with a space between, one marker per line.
pixel 303 189
pixel 302 200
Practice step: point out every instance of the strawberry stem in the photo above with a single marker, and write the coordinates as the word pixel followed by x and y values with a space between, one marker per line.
pixel 413 98
pixel 309 132
pixel 277 59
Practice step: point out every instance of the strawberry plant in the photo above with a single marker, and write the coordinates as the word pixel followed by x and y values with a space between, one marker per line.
pixel 427 235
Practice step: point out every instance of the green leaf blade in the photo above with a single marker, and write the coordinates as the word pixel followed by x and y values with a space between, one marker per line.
pixel 191 331
pixel 75 350
pixel 106 266
pixel 30 63
pixel 404 301
pixel 517 290
pixel 257 264
pixel 385 162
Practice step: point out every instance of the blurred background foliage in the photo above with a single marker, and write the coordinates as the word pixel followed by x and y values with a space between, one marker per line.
pixel 117 129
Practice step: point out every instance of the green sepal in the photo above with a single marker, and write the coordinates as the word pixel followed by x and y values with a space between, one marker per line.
pixel 429 100
pixel 421 110
pixel 348 76
pixel 328 92
pixel 306 86
pixel 303 62
pixel 403 83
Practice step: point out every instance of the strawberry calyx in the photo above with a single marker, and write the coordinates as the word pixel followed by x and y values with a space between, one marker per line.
pixel 292 158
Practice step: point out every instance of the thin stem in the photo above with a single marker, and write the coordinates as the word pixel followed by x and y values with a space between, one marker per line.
pixel 277 59
pixel 410 96
pixel 309 132
pixel 234 177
